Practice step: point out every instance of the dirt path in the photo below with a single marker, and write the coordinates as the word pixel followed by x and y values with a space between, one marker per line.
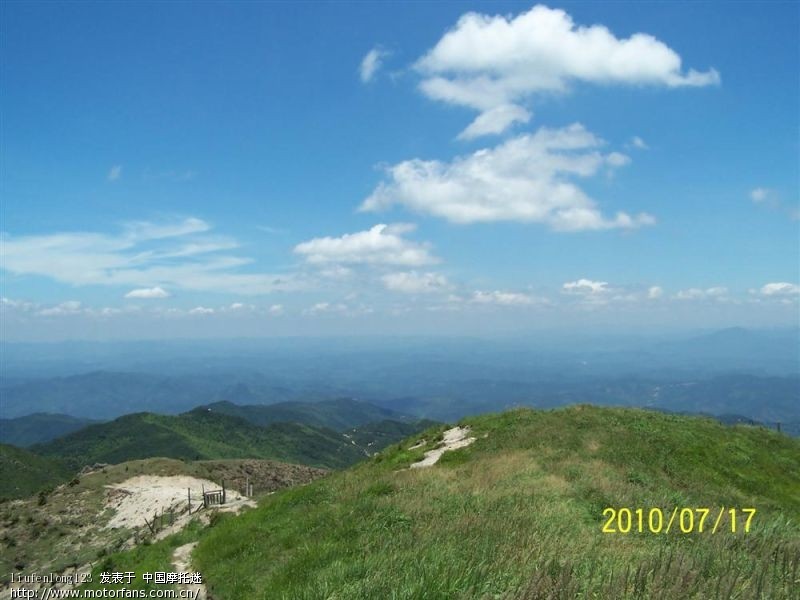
pixel 453 439
pixel 182 563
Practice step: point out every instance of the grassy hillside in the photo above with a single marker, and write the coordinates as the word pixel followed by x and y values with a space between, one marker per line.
pixel 518 514
pixel 201 435
pixel 38 428
pixel 339 414
pixel 378 435
pixel 23 473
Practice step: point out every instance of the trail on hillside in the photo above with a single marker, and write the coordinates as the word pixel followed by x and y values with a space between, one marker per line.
pixel 182 563
pixel 453 439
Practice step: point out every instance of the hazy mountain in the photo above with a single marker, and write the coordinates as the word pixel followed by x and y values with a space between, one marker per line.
pixel 437 378
pixel 38 427
pixel 206 434
pixel 339 414
pixel 110 394
pixel 200 435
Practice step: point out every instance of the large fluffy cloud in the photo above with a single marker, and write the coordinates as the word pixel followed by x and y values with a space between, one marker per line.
pixel 494 63
pixel 527 178
pixel 380 245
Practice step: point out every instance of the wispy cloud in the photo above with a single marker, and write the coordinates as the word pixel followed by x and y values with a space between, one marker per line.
pixel 760 194
pixel 711 293
pixel 638 143
pixel 148 293
pixel 176 254
pixel 371 64
pixel 780 289
pixel 505 298
pixel 526 179
pixel 114 173
pixel 771 199
pixel 71 307
pixel 412 282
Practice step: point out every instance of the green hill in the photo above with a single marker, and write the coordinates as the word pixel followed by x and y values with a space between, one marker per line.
pixel 201 435
pixel 38 428
pixel 339 414
pixel 208 434
pixel 23 473
pixel 519 515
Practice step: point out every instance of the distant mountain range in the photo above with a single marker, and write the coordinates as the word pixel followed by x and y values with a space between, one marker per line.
pixel 199 435
pixel 332 434
pixel 339 414
pixel 39 427
pixel 107 395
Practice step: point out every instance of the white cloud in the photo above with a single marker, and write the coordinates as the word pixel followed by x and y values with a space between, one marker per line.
pixel 503 298
pixel 637 142
pixel 771 199
pixel 617 159
pixel 586 287
pixel 524 179
pixel 371 64
pixel 486 62
pixel 16 305
pixel 72 307
pixel 759 194
pixel 177 254
pixel 154 292
pixel 201 310
pixel 238 308
pixel 702 294
pixel 275 310
pixel 337 272
pixel 412 282
pixel 655 292
pixel 114 173
pixel 780 289
pixel 325 308
pixel 380 245
pixel 495 120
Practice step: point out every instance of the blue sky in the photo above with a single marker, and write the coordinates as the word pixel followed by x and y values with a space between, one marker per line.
pixel 176 169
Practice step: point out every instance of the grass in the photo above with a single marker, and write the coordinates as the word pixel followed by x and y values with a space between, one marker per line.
pixel 199 435
pixel 145 558
pixel 518 515
pixel 209 435
pixel 23 473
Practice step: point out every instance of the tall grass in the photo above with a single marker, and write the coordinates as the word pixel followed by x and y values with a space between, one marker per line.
pixel 518 514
